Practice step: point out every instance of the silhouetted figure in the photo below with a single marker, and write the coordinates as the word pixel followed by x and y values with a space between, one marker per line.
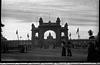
pixel 63 49
pixel 69 53
pixel 91 48
pixel 97 53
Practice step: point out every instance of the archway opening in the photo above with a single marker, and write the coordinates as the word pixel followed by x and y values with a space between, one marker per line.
pixel 49 33
pixel 36 34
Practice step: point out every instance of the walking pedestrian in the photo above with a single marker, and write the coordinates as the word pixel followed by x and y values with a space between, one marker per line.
pixel 63 49
pixel 69 53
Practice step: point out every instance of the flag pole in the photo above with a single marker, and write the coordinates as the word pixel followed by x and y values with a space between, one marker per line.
pixel 70 35
pixel 17 34
pixel 77 32
pixel 28 36
pixel 20 37
pixel 78 36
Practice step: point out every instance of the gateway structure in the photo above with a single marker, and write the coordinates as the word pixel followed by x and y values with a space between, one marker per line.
pixel 43 27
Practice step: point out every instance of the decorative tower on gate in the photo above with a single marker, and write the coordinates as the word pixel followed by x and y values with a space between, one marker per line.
pixel 40 21
pixel 58 21
pixel 49 26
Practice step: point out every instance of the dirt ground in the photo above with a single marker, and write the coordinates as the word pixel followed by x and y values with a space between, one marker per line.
pixel 38 54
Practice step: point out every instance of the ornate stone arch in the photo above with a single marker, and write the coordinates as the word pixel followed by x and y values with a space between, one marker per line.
pixel 49 26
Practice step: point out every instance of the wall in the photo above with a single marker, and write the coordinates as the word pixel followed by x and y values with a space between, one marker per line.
pixel 15 43
pixel 81 43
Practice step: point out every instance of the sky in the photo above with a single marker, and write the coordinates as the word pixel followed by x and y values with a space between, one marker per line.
pixel 20 14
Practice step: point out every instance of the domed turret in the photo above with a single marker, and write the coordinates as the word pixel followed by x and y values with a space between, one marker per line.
pixel 33 26
pixel 50 36
pixel 49 21
pixel 66 25
pixel 58 20
pixel 40 20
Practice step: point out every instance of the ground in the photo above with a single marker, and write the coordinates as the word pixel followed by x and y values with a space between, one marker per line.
pixel 38 54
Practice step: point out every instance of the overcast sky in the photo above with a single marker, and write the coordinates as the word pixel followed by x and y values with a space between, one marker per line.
pixel 20 14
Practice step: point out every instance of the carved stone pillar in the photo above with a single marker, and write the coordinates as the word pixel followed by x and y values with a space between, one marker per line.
pixel 66 31
pixel 41 38
pixel 33 33
pixel 58 37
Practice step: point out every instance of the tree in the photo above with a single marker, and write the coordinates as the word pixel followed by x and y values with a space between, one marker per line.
pixel 2 38
pixel 3 45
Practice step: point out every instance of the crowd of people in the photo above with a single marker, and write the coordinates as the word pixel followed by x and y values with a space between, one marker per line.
pixel 68 46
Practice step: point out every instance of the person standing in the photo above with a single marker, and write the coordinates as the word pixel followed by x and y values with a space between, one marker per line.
pixel 69 49
pixel 63 49
pixel 97 48
pixel 91 48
